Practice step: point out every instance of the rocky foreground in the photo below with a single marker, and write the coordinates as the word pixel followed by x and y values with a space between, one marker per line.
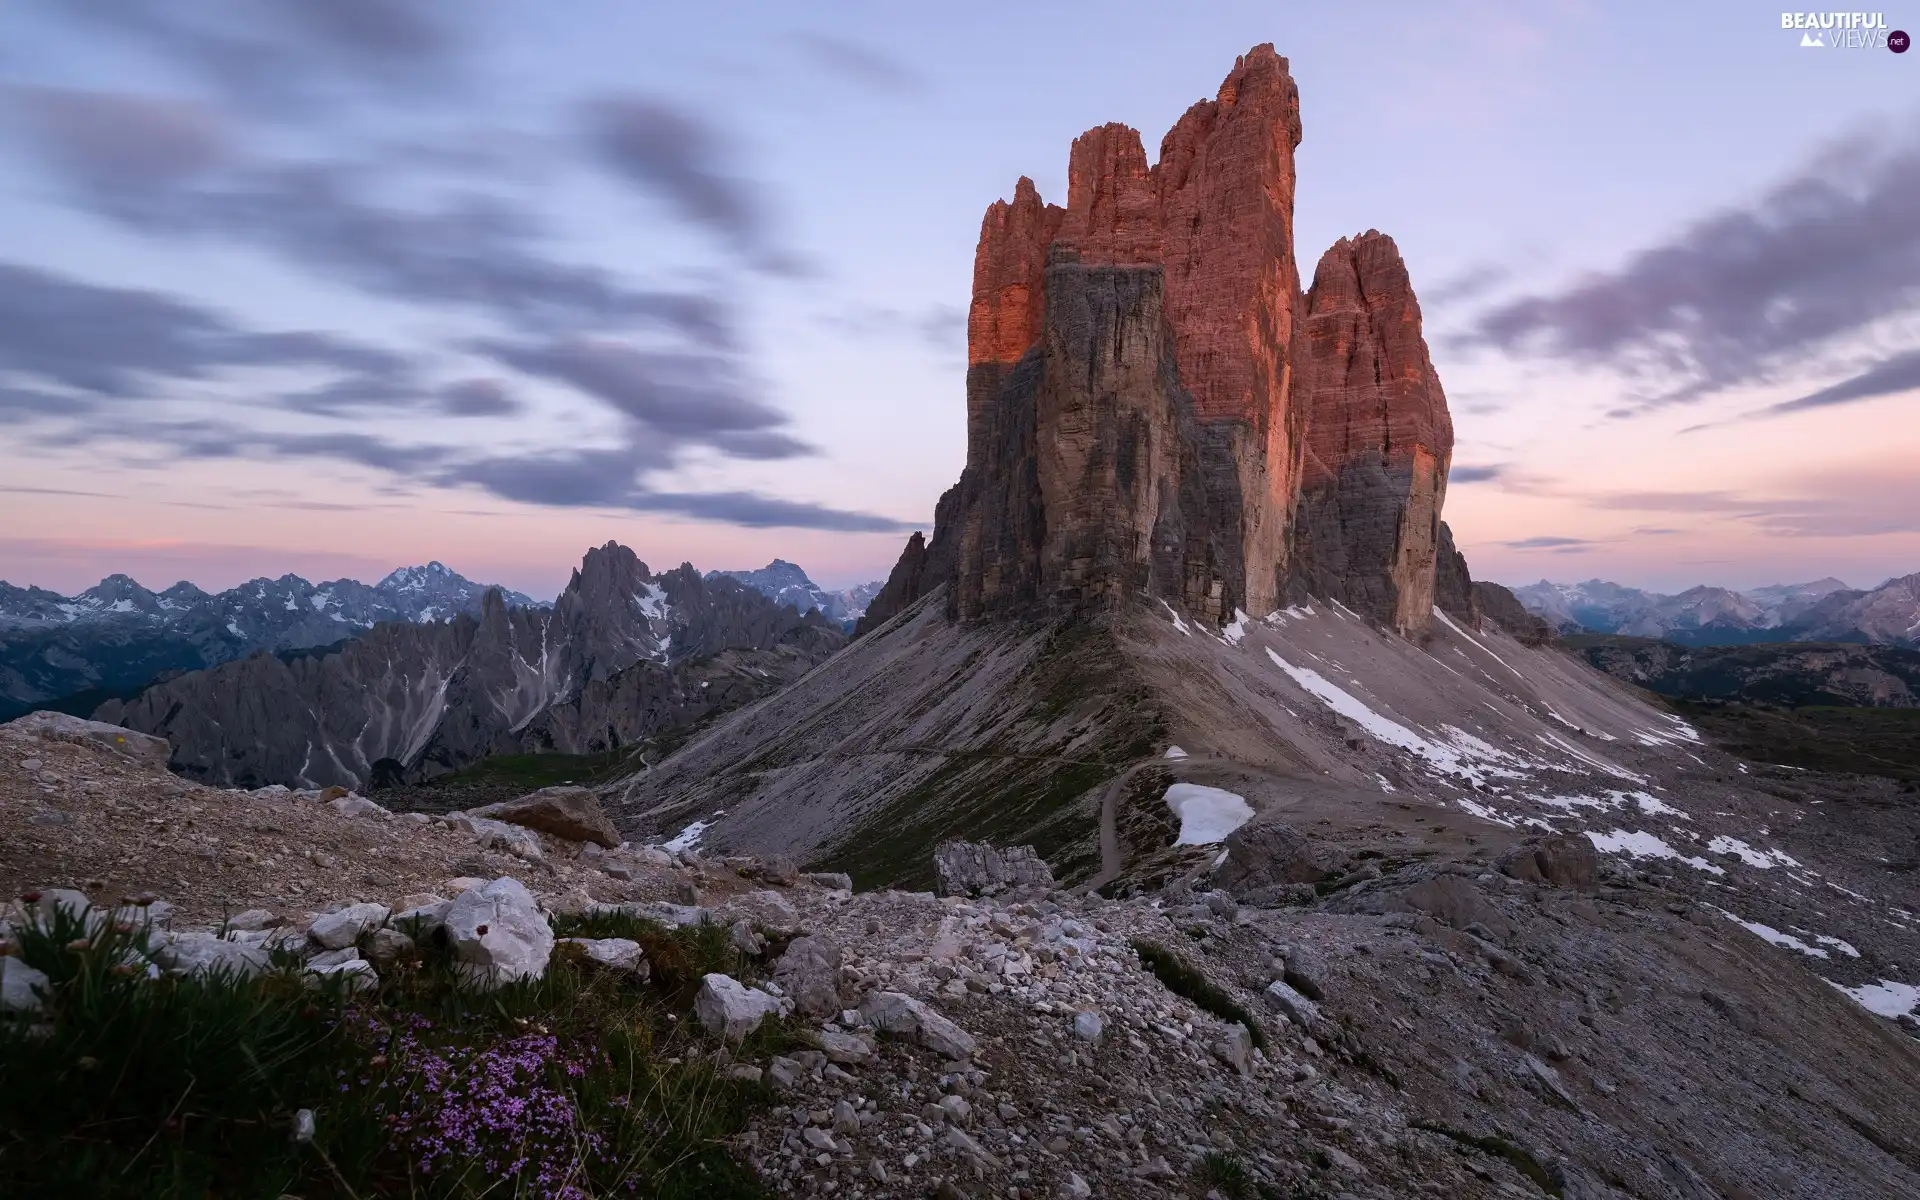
pixel 1533 1022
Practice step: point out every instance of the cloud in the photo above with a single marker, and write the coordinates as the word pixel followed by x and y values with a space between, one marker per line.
pixel 117 342
pixel 1469 284
pixel 1901 373
pixel 1471 474
pixel 610 479
pixel 680 159
pixel 862 64
pixel 472 251
pixel 1548 543
pixel 940 326
pixel 477 398
pixel 1731 297
pixel 108 143
pixel 684 397
pixel 1649 531
pixel 289 54
pixel 1695 502
pixel 766 512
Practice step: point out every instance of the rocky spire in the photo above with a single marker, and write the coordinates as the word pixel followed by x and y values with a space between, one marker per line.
pixel 1379 439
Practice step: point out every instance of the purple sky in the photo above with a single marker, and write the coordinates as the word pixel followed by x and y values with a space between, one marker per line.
pixel 332 288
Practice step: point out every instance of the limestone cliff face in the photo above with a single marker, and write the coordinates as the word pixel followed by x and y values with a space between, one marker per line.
pixel 1379 440
pixel 1153 405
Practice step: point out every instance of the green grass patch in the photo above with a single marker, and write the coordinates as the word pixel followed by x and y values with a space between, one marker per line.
pixel 1183 979
pixel 1499 1147
pixel 584 1082
pixel 1855 740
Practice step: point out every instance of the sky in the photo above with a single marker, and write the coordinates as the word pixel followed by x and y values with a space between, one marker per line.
pixel 330 288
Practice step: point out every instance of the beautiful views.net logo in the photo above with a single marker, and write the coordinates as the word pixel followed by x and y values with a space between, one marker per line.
pixel 1845 31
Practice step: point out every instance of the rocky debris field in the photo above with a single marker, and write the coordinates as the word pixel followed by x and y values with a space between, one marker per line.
pixel 1533 1022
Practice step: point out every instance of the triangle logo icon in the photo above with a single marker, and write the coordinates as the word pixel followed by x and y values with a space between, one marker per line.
pixel 1813 39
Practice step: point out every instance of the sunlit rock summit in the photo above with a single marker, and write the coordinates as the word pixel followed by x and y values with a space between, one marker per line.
pixel 1154 405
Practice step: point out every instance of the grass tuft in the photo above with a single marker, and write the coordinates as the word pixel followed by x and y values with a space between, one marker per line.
pixel 1183 979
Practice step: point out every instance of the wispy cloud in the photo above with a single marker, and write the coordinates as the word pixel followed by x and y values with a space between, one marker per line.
pixel 862 64
pixel 1821 255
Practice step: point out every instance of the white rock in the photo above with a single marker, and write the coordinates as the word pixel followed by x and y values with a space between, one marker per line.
pixel 845 1048
pixel 516 840
pixel 618 954
pixel 1301 1010
pixel 357 806
pixel 198 953
pixel 252 921
pixel 897 1013
pixel 425 917
pixel 62 727
pixel 333 930
pixel 1087 1026
pixel 358 973
pixel 498 933
pixel 326 960
pixel 22 988
pixel 1076 1188
pixel 730 1008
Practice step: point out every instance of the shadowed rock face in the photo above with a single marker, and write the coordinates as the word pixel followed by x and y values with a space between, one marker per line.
pixel 1144 412
pixel 1379 440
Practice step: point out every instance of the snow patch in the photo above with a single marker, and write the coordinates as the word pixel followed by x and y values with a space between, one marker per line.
pixel 1768 933
pixel 1176 752
pixel 1456 752
pixel 1640 844
pixel 1763 859
pixel 1177 622
pixel 689 837
pixel 1236 633
pixel 1207 814
pixel 652 599
pixel 1886 998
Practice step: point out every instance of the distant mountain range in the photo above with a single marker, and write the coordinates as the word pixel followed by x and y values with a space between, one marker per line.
pixel 116 637
pixel 784 583
pixel 1825 610
pixel 622 655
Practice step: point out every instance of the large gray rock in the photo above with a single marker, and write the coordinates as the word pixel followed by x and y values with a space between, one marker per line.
pixel 904 1016
pixel 1270 853
pixel 731 1009
pixel 204 953
pixel 1564 861
pixel 516 840
pixel 22 988
pixel 61 727
pixel 809 973
pixel 973 869
pixel 332 931
pixel 498 933
pixel 572 813
pixel 616 954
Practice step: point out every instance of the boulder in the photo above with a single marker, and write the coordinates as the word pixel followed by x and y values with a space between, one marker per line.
pixel 22 988
pixel 1270 853
pixel 1568 862
pixel 331 931
pixel 973 869
pixel 904 1016
pixel 731 1009
pixel 1291 1001
pixel 516 840
pixel 572 813
pixel 61 727
pixel 809 973
pixel 357 806
pixel 204 953
pixel 615 954
pixel 498 933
